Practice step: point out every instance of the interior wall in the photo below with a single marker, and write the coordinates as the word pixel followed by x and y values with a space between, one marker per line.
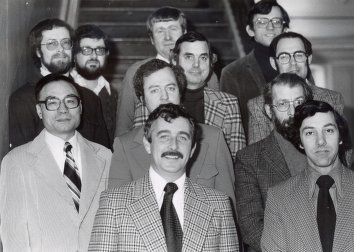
pixel 17 17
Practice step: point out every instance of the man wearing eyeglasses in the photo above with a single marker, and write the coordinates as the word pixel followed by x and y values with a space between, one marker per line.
pixel 290 52
pixel 246 77
pixel 50 187
pixel 91 49
pixel 271 160
pixel 51 49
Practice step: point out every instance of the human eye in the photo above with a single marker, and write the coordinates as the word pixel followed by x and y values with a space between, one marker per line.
pixel 164 137
pixel 171 88
pixel 309 132
pixel 100 50
pixel 188 57
pixel 298 102
pixel 86 50
pixel 276 21
pixel 154 90
pixel 71 100
pixel 330 130
pixel 262 21
pixel 183 138
pixel 283 57
pixel 204 58
pixel 52 103
pixel 300 55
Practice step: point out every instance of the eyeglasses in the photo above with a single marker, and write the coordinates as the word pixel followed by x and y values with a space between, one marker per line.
pixel 284 105
pixel 53 103
pixel 263 22
pixel 53 44
pixel 88 50
pixel 299 57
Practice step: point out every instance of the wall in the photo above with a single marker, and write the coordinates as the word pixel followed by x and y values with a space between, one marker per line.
pixel 17 17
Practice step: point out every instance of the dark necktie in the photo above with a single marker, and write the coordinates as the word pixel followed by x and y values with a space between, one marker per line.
pixel 170 222
pixel 326 214
pixel 71 175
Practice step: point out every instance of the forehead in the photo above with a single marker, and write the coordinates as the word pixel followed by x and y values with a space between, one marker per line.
pixel 58 89
pixel 166 24
pixel 161 77
pixel 319 120
pixel 275 12
pixel 284 92
pixel 92 42
pixel 196 47
pixel 56 33
pixel 290 45
pixel 175 126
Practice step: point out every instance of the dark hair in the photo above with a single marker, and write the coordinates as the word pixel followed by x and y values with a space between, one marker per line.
pixel 169 112
pixel 309 109
pixel 265 7
pixel 153 66
pixel 275 41
pixel 89 31
pixel 35 36
pixel 52 78
pixel 286 79
pixel 165 14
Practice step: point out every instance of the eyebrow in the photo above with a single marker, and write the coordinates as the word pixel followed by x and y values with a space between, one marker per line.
pixel 324 126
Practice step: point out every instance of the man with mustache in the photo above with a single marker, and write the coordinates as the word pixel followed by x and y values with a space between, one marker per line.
pixel 271 160
pixel 51 49
pixel 164 210
pixel 91 49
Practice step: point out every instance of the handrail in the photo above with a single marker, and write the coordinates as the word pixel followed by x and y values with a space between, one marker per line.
pixel 69 11
pixel 234 29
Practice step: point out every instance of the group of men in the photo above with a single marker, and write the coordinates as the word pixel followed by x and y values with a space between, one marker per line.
pixel 181 177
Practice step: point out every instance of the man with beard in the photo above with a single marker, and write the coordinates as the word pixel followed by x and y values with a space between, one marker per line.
pixel 50 42
pixel 271 160
pixel 91 49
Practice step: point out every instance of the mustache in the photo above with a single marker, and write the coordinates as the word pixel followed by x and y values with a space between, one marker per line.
pixel 60 55
pixel 172 153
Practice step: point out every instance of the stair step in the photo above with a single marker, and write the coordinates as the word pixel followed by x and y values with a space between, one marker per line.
pixel 141 14
pixel 155 4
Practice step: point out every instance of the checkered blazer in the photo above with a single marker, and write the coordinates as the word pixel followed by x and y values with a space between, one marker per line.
pixel 290 218
pixel 260 125
pixel 221 110
pixel 128 219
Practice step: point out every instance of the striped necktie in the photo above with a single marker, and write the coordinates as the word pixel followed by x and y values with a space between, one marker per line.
pixel 71 175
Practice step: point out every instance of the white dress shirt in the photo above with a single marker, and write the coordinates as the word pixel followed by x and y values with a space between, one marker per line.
pixel 101 82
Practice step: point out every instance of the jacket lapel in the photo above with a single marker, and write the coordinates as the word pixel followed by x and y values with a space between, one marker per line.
pixel 145 215
pixel 214 110
pixel 143 159
pixel 255 71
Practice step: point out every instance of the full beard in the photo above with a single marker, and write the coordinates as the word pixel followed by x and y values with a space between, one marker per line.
pixel 284 128
pixel 58 67
pixel 89 74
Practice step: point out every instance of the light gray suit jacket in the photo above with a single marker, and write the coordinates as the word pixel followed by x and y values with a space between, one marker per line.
pixel 37 212
pixel 290 218
pixel 129 220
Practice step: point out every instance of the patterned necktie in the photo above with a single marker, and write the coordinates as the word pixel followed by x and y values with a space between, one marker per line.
pixel 326 214
pixel 71 175
pixel 170 222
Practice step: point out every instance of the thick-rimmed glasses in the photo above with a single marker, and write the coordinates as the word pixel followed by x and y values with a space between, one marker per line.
pixel 53 44
pixel 88 50
pixel 263 22
pixel 53 103
pixel 284 105
pixel 299 57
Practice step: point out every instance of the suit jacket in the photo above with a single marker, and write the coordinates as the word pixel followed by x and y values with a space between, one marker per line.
pixel 258 167
pixel 25 125
pixel 211 164
pixel 244 79
pixel 128 219
pixel 260 125
pixel 290 218
pixel 128 101
pixel 37 212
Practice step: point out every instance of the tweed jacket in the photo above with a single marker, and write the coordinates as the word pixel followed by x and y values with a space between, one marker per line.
pixel 37 212
pixel 290 218
pixel 260 125
pixel 258 167
pixel 221 110
pixel 128 219
pixel 128 101
pixel 244 79
pixel 211 164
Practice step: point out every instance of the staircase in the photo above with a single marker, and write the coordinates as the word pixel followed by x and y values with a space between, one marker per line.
pixel 124 22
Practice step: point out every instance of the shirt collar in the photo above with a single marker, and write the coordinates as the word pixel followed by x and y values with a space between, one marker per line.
pixel 58 143
pixel 160 57
pixel 44 71
pixel 101 82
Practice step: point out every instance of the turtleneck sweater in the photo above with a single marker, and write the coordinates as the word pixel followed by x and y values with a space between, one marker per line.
pixel 261 53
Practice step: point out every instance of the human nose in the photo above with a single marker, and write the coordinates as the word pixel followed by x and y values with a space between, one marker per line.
pixel 164 95
pixel 270 25
pixel 196 62
pixel 173 143
pixel 62 107
pixel 291 110
pixel 321 139
pixel 167 35
pixel 93 54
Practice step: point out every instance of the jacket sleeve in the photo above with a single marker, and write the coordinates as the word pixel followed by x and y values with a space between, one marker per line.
pixel 259 126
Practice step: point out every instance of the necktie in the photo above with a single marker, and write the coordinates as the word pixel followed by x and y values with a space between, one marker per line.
pixel 326 214
pixel 71 175
pixel 170 222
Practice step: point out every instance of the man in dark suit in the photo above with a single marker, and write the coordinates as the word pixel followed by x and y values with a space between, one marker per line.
pixel 157 82
pixel 51 48
pixel 145 215
pixel 50 187
pixel 314 211
pixel 290 52
pixel 271 160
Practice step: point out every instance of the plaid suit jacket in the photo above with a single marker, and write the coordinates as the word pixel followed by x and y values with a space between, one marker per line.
pixel 290 218
pixel 221 110
pixel 260 125
pixel 128 219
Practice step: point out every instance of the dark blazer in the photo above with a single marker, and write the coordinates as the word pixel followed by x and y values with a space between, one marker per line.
pixel 211 164
pixel 290 218
pixel 128 219
pixel 244 79
pixel 25 125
